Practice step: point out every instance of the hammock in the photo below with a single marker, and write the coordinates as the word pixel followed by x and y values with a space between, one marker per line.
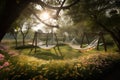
pixel 46 46
pixel 49 45
pixel 92 45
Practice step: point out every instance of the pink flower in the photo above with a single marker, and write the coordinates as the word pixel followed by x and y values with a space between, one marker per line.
pixel 12 53
pixel 1 67
pixel 6 64
pixel 1 57
pixel 2 47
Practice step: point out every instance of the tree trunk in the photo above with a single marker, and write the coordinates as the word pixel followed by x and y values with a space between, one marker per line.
pixel 47 39
pixel 16 42
pixel 23 41
pixel 9 14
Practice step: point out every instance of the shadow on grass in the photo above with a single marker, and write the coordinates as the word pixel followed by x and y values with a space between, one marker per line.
pixel 46 55
pixel 40 54
pixel 25 47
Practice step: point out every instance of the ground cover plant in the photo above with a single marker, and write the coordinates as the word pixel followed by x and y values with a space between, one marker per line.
pixel 91 65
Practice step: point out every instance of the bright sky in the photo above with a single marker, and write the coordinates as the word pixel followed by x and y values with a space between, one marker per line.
pixel 43 28
pixel 45 16
pixel 38 27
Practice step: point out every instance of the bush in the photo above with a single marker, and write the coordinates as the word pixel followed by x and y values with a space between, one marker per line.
pixel 86 67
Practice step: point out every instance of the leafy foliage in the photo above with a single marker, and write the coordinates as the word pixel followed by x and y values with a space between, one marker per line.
pixel 88 66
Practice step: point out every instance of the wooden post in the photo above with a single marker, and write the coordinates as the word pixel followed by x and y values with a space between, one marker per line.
pixel 103 39
pixel 36 35
pixel 87 38
pixel 47 40
pixel 82 40
pixel 98 41
pixel 58 46
pixel 34 42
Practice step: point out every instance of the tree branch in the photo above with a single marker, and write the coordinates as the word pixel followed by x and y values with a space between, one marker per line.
pixel 57 13
pixel 52 7
pixel 56 26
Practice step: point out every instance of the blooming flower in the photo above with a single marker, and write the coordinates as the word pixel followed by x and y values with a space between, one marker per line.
pixel 12 53
pixel 1 57
pixel 6 64
pixel 2 47
pixel 1 67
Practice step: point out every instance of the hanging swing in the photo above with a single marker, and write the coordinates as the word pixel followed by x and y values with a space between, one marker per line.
pixel 47 42
pixel 90 46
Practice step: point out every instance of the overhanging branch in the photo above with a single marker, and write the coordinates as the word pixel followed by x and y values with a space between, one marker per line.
pixel 58 11
pixel 52 7
pixel 41 3
pixel 54 26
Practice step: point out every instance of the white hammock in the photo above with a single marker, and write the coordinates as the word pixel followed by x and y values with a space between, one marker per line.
pixel 44 46
pixel 92 45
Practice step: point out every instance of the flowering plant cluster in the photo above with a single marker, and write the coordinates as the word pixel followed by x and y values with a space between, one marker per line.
pixel 5 54
pixel 3 61
pixel 85 67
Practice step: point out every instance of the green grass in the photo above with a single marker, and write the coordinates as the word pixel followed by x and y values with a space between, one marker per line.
pixel 67 52
pixel 48 65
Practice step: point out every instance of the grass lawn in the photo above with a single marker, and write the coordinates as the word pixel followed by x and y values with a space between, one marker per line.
pixel 48 65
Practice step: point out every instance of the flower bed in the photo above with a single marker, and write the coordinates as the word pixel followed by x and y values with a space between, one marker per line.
pixel 90 66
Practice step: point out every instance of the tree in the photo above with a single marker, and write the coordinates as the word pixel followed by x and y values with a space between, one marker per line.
pixel 10 10
pixel 14 30
pixel 103 14
pixel 24 29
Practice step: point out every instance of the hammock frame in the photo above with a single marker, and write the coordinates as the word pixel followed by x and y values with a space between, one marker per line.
pixel 92 45
pixel 46 46
pixel 100 37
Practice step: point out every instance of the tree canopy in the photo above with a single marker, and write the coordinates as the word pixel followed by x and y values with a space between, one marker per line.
pixel 99 13
pixel 103 15
pixel 10 10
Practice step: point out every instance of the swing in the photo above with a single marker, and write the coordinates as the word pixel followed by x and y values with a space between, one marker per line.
pixel 49 42
pixel 90 46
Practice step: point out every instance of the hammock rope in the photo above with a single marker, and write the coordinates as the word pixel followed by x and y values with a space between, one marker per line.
pixel 92 45
pixel 50 43
pixel 44 46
